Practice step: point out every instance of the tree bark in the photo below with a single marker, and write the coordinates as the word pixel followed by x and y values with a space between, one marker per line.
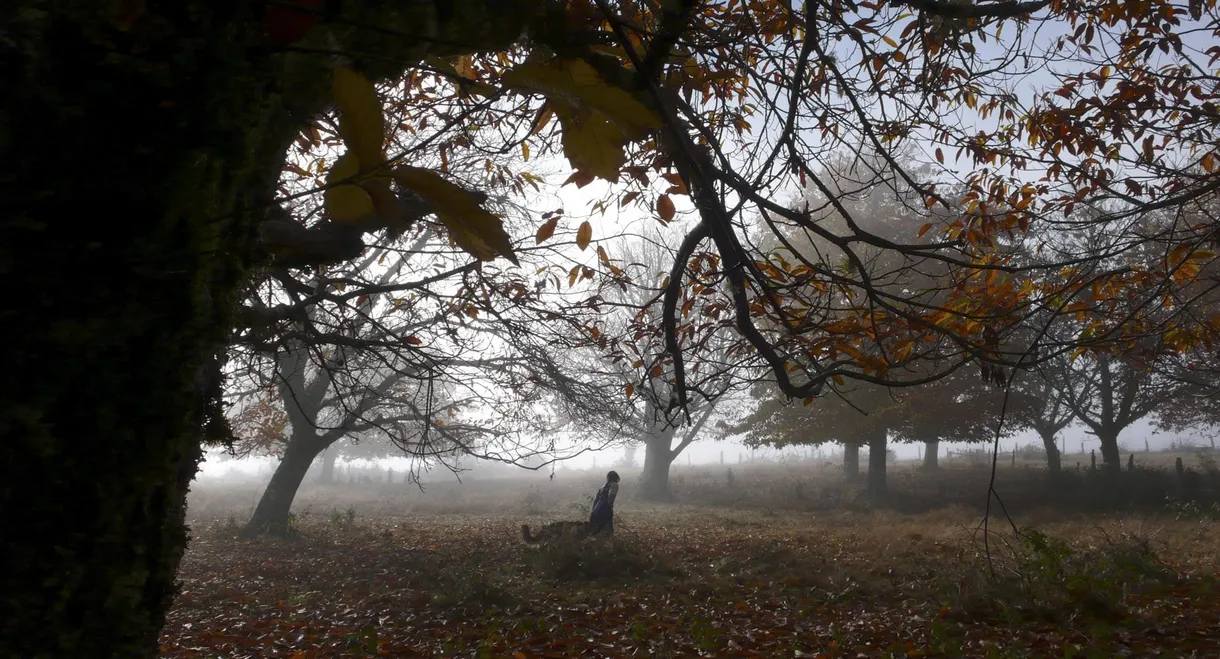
pixel 272 513
pixel 1054 461
pixel 851 461
pixel 112 377
pixel 327 475
pixel 931 458
pixel 145 143
pixel 876 461
pixel 1111 458
pixel 658 456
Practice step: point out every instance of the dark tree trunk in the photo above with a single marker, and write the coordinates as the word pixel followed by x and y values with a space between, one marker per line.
pixel 931 456
pixel 658 456
pixel 1110 456
pixel 125 272
pixel 271 514
pixel 876 462
pixel 1054 460
pixel 851 461
pixel 144 143
pixel 327 475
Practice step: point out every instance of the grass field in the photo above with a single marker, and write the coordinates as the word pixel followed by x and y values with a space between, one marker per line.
pixel 779 561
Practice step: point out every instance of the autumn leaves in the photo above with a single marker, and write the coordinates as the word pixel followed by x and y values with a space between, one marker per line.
pixel 598 120
pixel 358 184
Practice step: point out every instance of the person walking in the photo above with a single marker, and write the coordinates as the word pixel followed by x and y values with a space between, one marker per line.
pixel 601 516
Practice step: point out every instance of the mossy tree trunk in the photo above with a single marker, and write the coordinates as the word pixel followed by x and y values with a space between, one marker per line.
pixel 135 153
pixel 142 145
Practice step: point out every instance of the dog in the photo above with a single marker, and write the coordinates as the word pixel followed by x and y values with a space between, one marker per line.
pixel 555 531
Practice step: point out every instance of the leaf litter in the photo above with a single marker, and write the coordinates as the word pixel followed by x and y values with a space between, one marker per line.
pixel 672 582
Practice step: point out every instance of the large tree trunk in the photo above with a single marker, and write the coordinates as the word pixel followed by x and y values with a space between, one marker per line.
pixel 658 456
pixel 133 155
pixel 876 461
pixel 271 514
pixel 145 142
pixel 851 461
pixel 1054 460
pixel 931 449
pixel 1110 456
pixel 327 475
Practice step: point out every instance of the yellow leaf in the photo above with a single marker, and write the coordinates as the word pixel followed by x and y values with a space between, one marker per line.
pixel 360 120
pixel 579 85
pixel 472 227
pixel 591 143
pixel 584 234
pixel 346 202
pixel 464 66
pixel 525 151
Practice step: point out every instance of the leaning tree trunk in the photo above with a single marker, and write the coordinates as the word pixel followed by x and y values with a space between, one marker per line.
pixel 658 456
pixel 931 457
pixel 851 461
pixel 327 475
pixel 133 152
pixel 876 461
pixel 271 514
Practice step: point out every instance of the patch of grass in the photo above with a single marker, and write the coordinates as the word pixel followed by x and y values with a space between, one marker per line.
pixel 1040 577
pixel 594 559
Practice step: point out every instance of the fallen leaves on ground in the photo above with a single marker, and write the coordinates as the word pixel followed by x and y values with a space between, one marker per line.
pixel 682 582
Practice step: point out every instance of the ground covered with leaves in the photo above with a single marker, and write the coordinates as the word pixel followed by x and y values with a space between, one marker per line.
pixel 684 581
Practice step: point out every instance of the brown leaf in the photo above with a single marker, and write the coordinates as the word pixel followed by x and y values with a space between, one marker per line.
pixel 584 234
pixel 665 208
pixel 546 230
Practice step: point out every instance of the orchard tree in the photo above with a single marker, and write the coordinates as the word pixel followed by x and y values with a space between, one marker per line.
pixel 637 357
pixel 856 417
pixel 952 409
pixel 408 347
pixel 1039 405
pixel 193 108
